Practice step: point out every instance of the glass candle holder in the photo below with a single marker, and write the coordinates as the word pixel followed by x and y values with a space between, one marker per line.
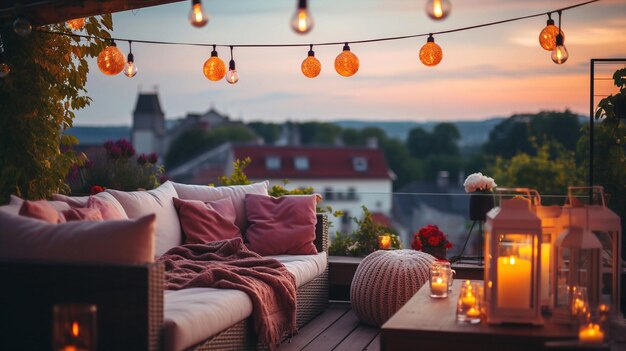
pixel 439 277
pixel 579 305
pixel 445 264
pixel 384 241
pixel 469 305
pixel 74 327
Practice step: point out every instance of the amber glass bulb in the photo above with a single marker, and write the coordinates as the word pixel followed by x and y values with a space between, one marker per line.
pixel 197 16
pixel 214 68
pixel 438 9
pixel 75 24
pixel 22 27
pixel 547 37
pixel 4 70
pixel 346 63
pixel 301 21
pixel 111 60
pixel 311 67
pixel 559 54
pixel 431 53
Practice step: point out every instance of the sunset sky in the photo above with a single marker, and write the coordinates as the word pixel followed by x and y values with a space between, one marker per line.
pixel 486 72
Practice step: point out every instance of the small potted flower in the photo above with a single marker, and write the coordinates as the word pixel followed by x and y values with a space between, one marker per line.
pixel 432 240
pixel 481 200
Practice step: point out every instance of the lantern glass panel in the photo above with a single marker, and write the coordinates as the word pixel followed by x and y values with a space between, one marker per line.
pixel 607 265
pixel 562 295
pixel 514 270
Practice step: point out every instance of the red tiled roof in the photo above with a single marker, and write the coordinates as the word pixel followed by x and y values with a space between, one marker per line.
pixel 381 218
pixel 324 162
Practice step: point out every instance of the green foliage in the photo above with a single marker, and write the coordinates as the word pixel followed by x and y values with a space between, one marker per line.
pixel 238 177
pixel 364 240
pixel 549 175
pixel 316 133
pixel 122 171
pixel 193 142
pixel 520 133
pixel 270 132
pixel 38 99
pixel 442 141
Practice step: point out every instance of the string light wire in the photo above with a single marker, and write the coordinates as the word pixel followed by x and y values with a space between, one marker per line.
pixel 334 43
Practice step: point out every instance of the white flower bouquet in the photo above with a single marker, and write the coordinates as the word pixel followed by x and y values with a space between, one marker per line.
pixel 478 182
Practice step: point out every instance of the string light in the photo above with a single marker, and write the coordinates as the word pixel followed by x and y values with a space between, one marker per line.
pixel 75 24
pixel 346 63
pixel 438 9
pixel 22 26
pixel 431 53
pixel 4 68
pixel 311 67
pixel 301 21
pixel 111 60
pixel 214 68
pixel 197 16
pixel 560 54
pixel 130 70
pixel 547 37
pixel 232 77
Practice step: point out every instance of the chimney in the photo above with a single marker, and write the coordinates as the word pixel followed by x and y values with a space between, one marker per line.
pixel 442 179
pixel 372 142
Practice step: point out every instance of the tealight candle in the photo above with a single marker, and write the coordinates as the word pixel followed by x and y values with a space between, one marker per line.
pixel 591 334
pixel 438 286
pixel 384 242
pixel 468 308
pixel 473 313
pixel 468 300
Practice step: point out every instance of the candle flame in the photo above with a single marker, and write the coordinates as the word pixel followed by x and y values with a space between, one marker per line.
pixel 75 329
pixel 512 260
pixel 439 280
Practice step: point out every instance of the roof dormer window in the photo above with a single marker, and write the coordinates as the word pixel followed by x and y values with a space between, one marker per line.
pixel 272 162
pixel 301 163
pixel 359 164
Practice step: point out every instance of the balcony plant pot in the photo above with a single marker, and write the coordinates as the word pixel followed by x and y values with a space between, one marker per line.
pixel 437 252
pixel 480 204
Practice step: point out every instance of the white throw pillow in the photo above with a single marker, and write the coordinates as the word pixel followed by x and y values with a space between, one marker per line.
pixel 122 241
pixel 237 194
pixel 157 201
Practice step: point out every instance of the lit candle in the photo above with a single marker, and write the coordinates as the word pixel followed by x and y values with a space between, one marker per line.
pixel 468 300
pixel 545 271
pixel 591 334
pixel 514 282
pixel 69 348
pixel 384 242
pixel 438 286
pixel 473 313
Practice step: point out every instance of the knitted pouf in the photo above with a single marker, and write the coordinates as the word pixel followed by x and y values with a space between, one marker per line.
pixel 385 281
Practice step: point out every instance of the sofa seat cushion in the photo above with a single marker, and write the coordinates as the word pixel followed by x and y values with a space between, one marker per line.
pixel 304 267
pixel 194 315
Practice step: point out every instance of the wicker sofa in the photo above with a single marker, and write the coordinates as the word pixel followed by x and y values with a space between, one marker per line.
pixel 132 303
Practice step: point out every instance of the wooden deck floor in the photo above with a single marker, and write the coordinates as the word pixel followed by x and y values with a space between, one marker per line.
pixel 336 329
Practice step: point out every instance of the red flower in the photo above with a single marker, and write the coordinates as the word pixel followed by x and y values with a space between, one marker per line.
pixel 430 236
pixel 96 189
pixel 434 241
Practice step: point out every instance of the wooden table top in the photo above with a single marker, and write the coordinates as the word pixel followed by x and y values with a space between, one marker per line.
pixel 428 321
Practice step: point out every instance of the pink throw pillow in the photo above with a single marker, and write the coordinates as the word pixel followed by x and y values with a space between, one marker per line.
pixel 83 214
pixel 203 222
pixel 107 209
pixel 41 210
pixel 283 225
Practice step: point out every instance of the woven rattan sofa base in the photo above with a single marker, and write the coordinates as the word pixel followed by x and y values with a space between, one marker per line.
pixel 311 299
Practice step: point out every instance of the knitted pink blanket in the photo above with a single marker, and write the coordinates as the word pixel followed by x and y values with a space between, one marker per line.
pixel 228 264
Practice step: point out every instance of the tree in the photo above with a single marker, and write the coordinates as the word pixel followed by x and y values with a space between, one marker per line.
pixel 419 142
pixel 193 142
pixel 445 138
pixel 318 133
pixel 270 132
pixel 39 96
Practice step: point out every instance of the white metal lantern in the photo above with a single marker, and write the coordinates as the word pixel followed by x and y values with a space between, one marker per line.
pixel 512 274
pixel 577 266
pixel 606 227
pixel 550 229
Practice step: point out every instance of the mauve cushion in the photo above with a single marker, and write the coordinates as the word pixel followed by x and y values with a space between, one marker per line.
pixel 283 225
pixel 107 209
pixel 236 193
pixel 83 214
pixel 41 210
pixel 205 222
pixel 123 241
pixel 101 198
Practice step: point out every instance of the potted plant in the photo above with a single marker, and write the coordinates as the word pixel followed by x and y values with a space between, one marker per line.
pixel 432 240
pixel 481 199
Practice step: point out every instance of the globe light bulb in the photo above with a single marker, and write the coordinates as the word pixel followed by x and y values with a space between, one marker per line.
pixel 4 68
pixel 130 70
pixel 301 21
pixel 547 37
pixel 111 60
pixel 311 67
pixel 559 54
pixel 232 77
pixel 438 9
pixel 214 68
pixel 75 24
pixel 22 27
pixel 197 16
pixel 431 53
pixel 346 63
